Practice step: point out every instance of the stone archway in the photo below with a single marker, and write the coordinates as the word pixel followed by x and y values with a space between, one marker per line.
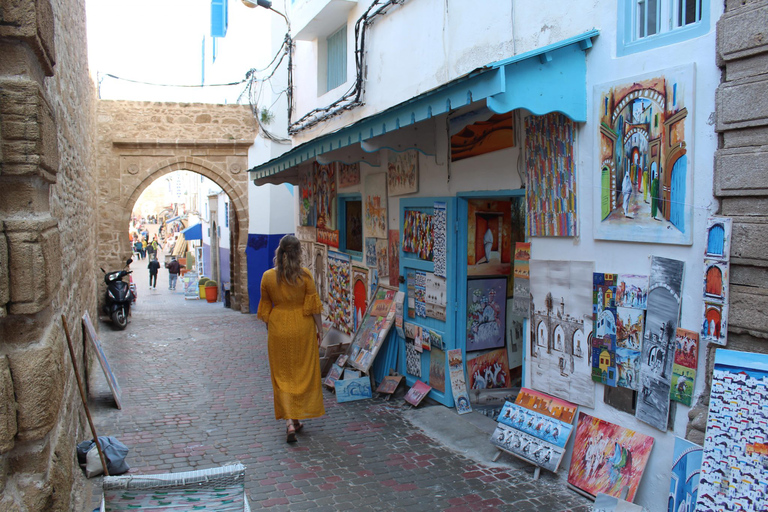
pixel 129 164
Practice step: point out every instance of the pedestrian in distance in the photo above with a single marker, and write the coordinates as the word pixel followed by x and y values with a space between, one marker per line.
pixel 291 309
pixel 174 267
pixel 153 267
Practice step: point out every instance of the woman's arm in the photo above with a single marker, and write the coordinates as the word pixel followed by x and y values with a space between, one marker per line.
pixel 319 327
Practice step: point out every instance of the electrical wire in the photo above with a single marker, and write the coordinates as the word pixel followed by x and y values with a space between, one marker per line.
pixel 173 85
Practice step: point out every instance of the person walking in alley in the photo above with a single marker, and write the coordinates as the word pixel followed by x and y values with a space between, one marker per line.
pixel 173 272
pixel 291 309
pixel 153 267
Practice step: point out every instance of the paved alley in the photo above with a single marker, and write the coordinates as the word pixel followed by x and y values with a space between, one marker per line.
pixel 196 393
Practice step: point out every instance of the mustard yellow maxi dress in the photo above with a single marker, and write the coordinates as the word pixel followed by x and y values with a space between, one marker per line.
pixel 294 360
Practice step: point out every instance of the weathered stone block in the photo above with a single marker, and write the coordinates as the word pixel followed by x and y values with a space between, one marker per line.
pixel 62 467
pixel 5 294
pixel 755 136
pixel 35 494
pixel 38 382
pixel 744 206
pixel 748 311
pixel 743 32
pixel 749 242
pixel 31 458
pixel 742 103
pixel 741 172
pixel 31 21
pixel 7 407
pixel 749 275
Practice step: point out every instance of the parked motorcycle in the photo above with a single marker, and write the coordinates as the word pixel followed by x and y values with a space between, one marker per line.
pixel 118 296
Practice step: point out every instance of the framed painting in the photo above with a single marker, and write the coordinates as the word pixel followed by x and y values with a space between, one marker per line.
pixel 479 132
pixel 359 294
pixel 489 370
pixel 375 205
pixel 339 284
pixel 490 244
pixel 325 197
pixel 403 172
pixel 307 209
pixel 486 313
pixel 349 174
pixel 320 270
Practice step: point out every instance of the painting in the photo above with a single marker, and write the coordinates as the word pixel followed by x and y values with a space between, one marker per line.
pixel 486 313
pixel 718 238
pixel 714 328
pixel 439 219
pixel 349 174
pixel 604 360
pixel 382 259
pixel 339 283
pixel 307 209
pixel 665 290
pixel 370 253
pixel 307 253
pixel 435 296
pixel 394 258
pixel 306 233
pixel 320 270
pixel 373 281
pixel 550 189
pixel 644 157
pixel 437 370
pixel 418 237
pixel 684 368
pixel 605 503
pixel 412 359
pixel 359 295
pixel 489 231
pixel 561 323
pixel 515 343
pixel 353 225
pixel 628 368
pixel 374 327
pixel 608 458
pixel 403 172
pixel 114 387
pixel 604 328
pixel 521 294
pixel 735 456
pixel 350 390
pixel 684 482
pixel 479 132
pixel 489 370
pixel 630 324
pixel 417 393
pixel 334 374
pixel 458 383
pixel 389 384
pixel 631 291
pixel 547 405
pixel 325 197
pixel 375 205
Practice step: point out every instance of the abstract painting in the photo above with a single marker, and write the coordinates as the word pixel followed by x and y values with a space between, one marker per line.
pixel 480 131
pixel 403 172
pixel 684 368
pixel 349 174
pixel 359 295
pixel 561 322
pixel 349 390
pixel 714 327
pixel 686 468
pixel 644 158
pixel 546 405
pixel 339 282
pixel 394 258
pixel 458 383
pixel 439 236
pixel 325 197
pixel 735 458
pixel 375 205
pixel 489 231
pixel 489 370
pixel 417 393
pixel 437 370
pixel 307 209
pixel 521 294
pixel 664 295
pixel 382 259
pixel 550 189
pixel 486 313
pixel 320 270
pixel 418 237
pixel 608 458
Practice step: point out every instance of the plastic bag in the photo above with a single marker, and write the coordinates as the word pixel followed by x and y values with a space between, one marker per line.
pixel 114 453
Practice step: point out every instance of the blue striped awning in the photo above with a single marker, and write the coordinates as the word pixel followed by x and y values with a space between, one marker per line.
pixel 548 79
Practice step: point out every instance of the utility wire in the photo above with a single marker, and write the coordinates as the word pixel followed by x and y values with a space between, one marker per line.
pixel 244 80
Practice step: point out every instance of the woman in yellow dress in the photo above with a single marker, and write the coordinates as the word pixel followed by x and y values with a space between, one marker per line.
pixel 291 309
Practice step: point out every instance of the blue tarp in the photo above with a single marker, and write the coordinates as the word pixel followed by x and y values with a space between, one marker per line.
pixel 193 232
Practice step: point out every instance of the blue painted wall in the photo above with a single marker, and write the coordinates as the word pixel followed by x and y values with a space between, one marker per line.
pixel 260 253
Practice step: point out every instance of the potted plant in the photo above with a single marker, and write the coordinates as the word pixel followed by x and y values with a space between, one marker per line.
pixel 211 290
pixel 201 286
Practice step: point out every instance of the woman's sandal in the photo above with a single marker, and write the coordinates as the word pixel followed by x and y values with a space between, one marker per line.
pixel 290 431
pixel 297 426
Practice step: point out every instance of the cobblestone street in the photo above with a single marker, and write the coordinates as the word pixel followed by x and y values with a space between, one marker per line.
pixel 196 393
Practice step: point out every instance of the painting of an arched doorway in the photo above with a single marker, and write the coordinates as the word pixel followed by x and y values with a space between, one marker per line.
pixel 714 282
pixel 718 237
pixel 359 294
pixel 677 207
pixel 713 316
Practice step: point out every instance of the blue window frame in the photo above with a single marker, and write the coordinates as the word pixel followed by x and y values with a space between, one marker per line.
pixel 219 18
pixel 226 214
pixel 647 24
pixel 351 225
pixel 337 58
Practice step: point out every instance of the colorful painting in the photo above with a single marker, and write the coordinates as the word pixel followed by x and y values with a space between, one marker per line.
pixel 458 383
pixel 376 205
pixel 320 270
pixel 412 358
pixel 419 287
pixel 374 327
pixel 645 158
pixel 370 253
pixel 684 368
pixel 325 197
pixel 486 313
pixel 664 296
pixel 604 360
pixel 403 172
pixel 389 384
pixel 382 259
pixel 521 295
pixel 546 405
pixel 306 233
pixel 439 238
pixel 628 368
pixel 359 295
pixel 550 189
pixel 630 324
pixel 604 328
pixel 561 323
pixel 536 424
pixel 489 244
pixel 714 327
pixel 735 458
pixel 349 174
pixel 417 393
pixel 479 132
pixel 718 238
pixel 418 237
pixel 631 291
pixel 436 296
pixel 608 458
pixel 686 468
pixel 307 208
pixel 394 258
pixel 339 283
pixel 489 370
pixel 353 225
pixel 334 374
pixel 437 370
pixel 350 390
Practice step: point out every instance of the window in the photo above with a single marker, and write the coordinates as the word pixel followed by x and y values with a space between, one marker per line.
pixel 351 225
pixel 337 59
pixel 647 24
pixel 218 18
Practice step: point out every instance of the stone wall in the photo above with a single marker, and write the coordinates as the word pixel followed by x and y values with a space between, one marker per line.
pixel 138 142
pixel 47 248
pixel 741 178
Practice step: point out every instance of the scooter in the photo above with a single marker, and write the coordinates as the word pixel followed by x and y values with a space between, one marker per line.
pixel 118 296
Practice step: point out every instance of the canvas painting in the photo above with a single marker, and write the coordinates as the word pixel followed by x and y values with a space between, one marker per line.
pixel 527 447
pixel 628 368
pixel 604 360
pixel 374 328
pixel 359 295
pixel 561 322
pixel 370 253
pixel 550 189
pixel 325 197
pixel 439 220
pixel 604 328
pixel 307 253
pixel 334 374
pixel 605 503
pixel 349 390
pixel 486 313
pixel 412 359
pixel 394 258
pixel 631 291
pixel 515 340
pixel 339 283
pixel 117 393
pixel 547 405
pixel 489 370
pixel 489 231
pixel 353 225
pixel 437 370
pixel 375 205
pixel 684 368
pixel 686 468
pixel 382 259
pixel 373 281
pixel 389 384
pixel 307 209
pixel 418 237
pixel 521 293
pixel 458 383
pixel 735 458
pixel 403 172
pixel 714 327
pixel 644 158
pixel 320 270
pixel 536 424
pixel 417 393
pixel 489 402
pixel 665 289
pixel 630 323
pixel 608 458
pixel 306 233
pixel 718 238
pixel 479 132
pixel 349 174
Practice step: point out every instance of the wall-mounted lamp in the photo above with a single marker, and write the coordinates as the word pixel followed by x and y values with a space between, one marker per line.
pixel 258 3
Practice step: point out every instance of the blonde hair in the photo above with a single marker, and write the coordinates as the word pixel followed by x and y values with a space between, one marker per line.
pixel 288 260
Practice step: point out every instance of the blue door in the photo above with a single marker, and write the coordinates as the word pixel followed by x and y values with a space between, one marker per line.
pixel 716 241
pixel 677 208
pixel 412 263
